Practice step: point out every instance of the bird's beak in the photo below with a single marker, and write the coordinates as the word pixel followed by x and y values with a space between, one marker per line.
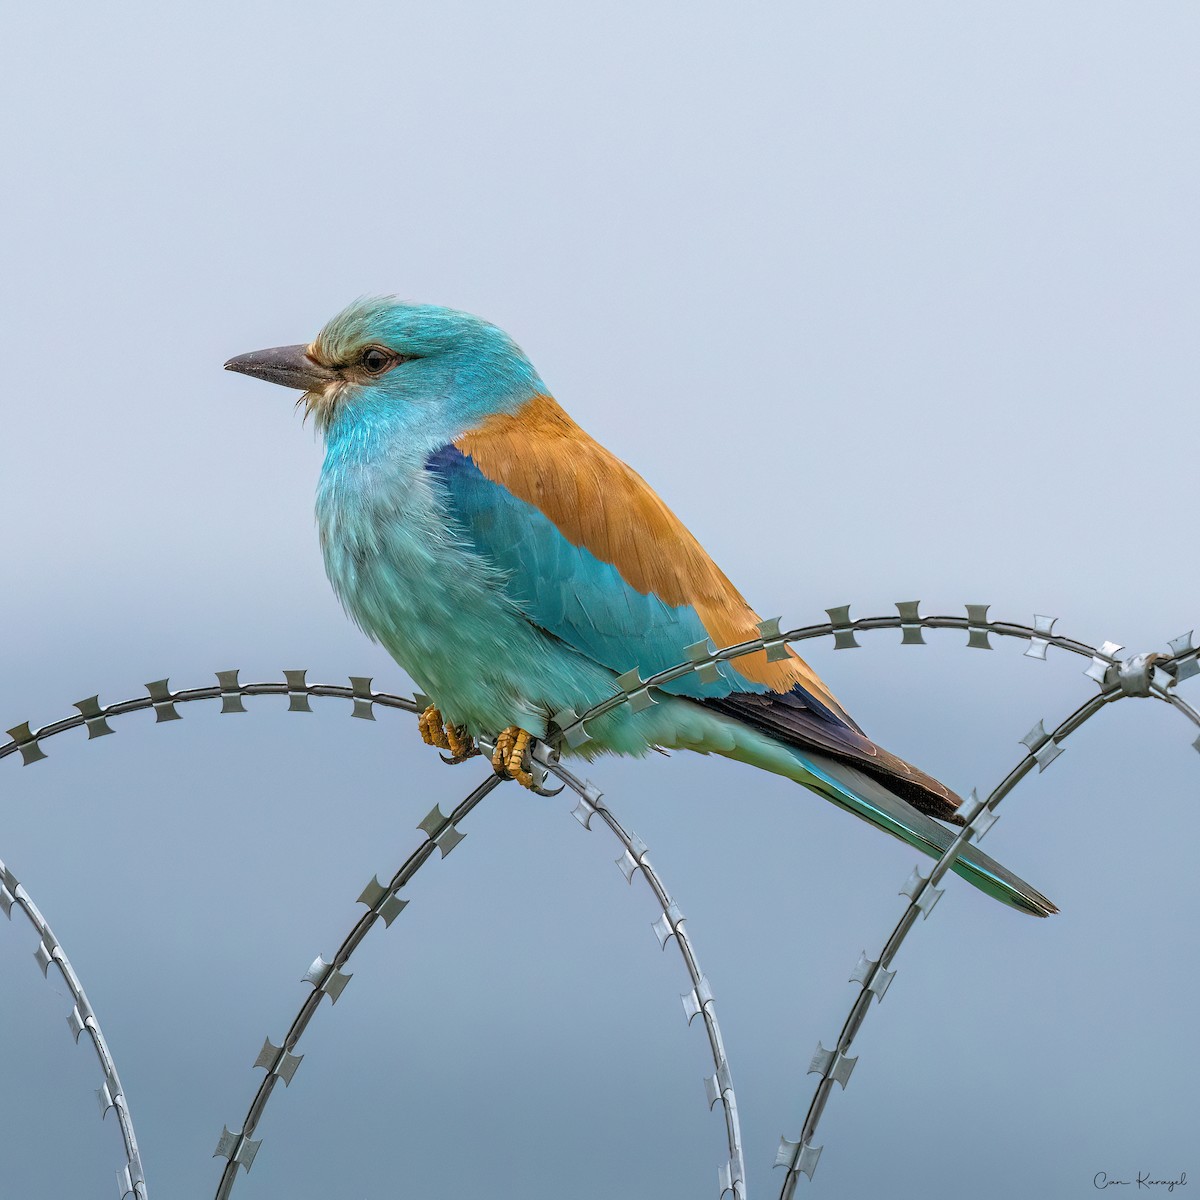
pixel 289 366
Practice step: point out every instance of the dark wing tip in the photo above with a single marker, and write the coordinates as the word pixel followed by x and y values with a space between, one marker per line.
pixel 794 719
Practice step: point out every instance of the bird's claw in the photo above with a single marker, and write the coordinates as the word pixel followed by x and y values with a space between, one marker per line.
pixel 510 758
pixel 455 738
pixel 511 755
pixel 452 760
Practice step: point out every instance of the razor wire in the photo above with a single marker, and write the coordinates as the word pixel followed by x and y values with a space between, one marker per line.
pixel 1148 674
pixel 1151 674
pixel 82 1019
pixel 1144 675
pixel 704 660
pixel 696 1003
pixel 328 978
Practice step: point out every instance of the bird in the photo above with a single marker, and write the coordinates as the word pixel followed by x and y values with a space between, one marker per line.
pixel 515 568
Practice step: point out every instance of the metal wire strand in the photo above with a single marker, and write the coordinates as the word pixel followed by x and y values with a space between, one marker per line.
pixel 1152 674
pixel 82 1019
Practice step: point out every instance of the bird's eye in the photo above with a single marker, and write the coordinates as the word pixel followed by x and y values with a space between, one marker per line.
pixel 375 361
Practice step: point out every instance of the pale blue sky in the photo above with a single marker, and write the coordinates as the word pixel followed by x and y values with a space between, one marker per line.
pixel 888 301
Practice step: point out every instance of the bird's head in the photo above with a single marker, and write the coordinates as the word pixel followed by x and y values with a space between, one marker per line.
pixel 431 372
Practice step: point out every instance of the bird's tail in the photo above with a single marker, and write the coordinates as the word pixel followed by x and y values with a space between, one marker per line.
pixel 868 798
pixel 850 789
pixel 711 728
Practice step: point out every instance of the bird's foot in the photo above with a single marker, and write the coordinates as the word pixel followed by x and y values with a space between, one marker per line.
pixel 455 738
pixel 510 759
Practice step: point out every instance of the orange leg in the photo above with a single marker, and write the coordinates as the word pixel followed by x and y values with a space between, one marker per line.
pixel 455 738
pixel 510 756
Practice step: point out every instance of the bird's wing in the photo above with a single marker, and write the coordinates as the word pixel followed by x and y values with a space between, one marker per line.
pixel 593 556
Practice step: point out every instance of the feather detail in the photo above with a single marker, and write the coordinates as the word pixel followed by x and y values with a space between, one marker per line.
pixel 544 458
pixel 794 723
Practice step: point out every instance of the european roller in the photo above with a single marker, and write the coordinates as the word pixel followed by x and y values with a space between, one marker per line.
pixel 515 568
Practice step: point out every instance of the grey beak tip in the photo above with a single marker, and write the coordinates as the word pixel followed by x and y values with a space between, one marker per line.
pixel 243 364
